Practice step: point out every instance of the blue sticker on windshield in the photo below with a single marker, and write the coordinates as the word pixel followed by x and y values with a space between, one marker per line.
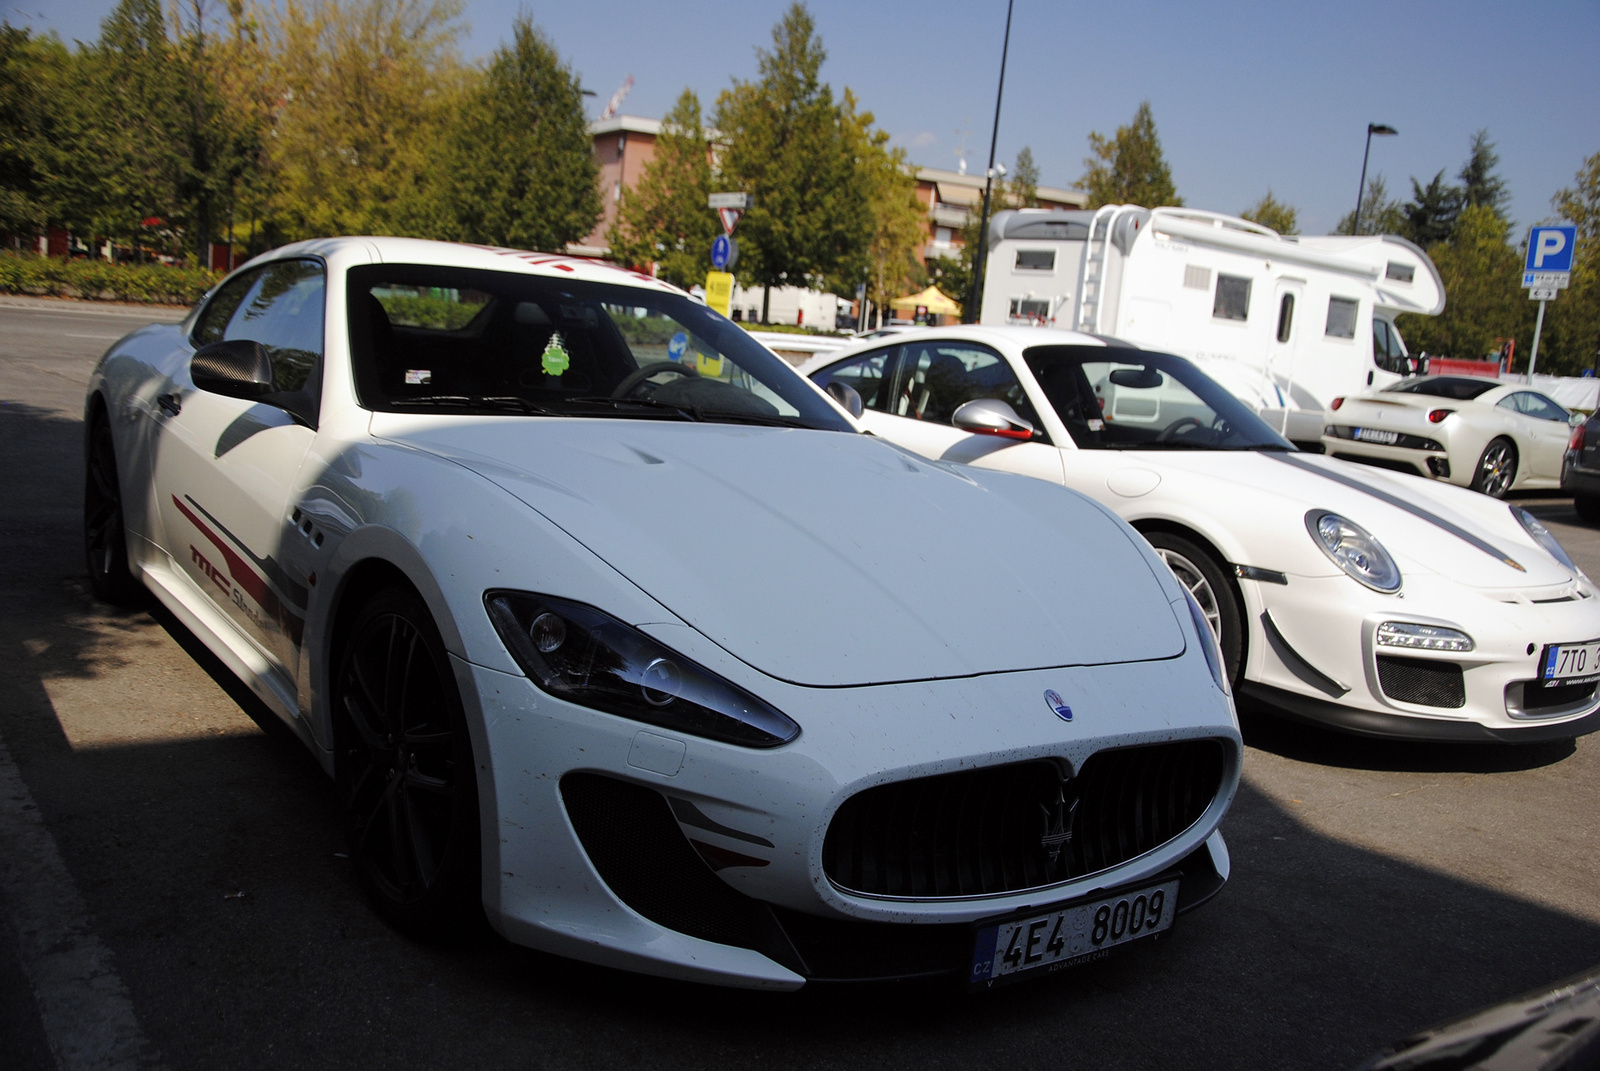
pixel 675 348
pixel 1058 705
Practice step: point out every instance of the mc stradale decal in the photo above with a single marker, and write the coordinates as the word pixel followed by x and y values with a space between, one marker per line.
pixel 1058 705
pixel 242 579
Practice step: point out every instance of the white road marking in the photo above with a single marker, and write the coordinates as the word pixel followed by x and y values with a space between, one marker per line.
pixel 87 1015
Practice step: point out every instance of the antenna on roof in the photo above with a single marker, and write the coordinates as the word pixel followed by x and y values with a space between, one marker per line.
pixel 617 98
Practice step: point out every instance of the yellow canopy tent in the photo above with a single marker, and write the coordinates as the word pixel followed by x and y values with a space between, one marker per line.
pixel 931 299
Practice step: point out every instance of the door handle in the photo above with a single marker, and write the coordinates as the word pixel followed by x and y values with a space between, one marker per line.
pixel 171 404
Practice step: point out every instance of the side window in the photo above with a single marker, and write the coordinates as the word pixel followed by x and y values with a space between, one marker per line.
pixel 1539 407
pixel 1036 260
pixel 1233 298
pixel 1342 317
pixel 865 374
pixel 1285 317
pixel 1510 402
pixel 220 309
pixel 282 310
pixel 937 378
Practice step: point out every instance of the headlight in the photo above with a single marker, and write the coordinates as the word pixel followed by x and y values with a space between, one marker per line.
pixel 1353 549
pixel 1541 535
pixel 588 657
pixel 1422 637
pixel 1208 643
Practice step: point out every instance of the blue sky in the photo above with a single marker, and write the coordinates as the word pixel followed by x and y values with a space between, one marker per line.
pixel 1247 95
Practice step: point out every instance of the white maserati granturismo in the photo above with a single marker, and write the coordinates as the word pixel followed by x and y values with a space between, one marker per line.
pixel 1384 604
pixel 612 629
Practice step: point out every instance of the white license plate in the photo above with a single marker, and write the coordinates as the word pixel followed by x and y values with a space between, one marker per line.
pixel 1072 933
pixel 1378 435
pixel 1570 663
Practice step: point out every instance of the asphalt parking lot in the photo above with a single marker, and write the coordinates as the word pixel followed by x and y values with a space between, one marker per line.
pixel 172 892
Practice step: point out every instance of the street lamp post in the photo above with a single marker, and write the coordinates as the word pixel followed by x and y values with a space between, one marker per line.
pixel 1372 128
pixel 981 256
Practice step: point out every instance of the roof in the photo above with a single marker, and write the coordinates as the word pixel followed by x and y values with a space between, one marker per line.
pixel 954 181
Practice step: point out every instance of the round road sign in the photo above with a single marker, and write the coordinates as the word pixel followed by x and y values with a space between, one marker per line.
pixel 724 252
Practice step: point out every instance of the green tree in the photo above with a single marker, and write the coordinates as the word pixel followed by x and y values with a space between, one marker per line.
pixel 521 169
pixel 954 275
pixel 1570 342
pixel 1380 214
pixel 31 72
pixel 1022 188
pixel 787 147
pixel 1480 270
pixel 890 264
pixel 664 218
pixel 1271 212
pixel 1128 167
pixel 1432 211
pixel 1480 186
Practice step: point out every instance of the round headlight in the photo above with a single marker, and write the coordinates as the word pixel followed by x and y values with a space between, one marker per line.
pixel 1353 549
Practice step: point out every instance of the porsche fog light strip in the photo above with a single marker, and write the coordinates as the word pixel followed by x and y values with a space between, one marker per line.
pixel 1423 637
pixel 588 657
pixel 1353 549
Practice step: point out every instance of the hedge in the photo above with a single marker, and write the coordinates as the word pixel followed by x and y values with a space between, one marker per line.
pixel 101 280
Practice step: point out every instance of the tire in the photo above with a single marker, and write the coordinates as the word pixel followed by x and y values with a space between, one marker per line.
pixel 1496 470
pixel 1588 507
pixel 105 539
pixel 406 778
pixel 1198 570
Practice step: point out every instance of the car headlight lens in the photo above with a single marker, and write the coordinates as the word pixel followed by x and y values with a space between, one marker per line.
pixel 1541 535
pixel 1208 644
pixel 585 656
pixel 1354 550
pixel 1423 637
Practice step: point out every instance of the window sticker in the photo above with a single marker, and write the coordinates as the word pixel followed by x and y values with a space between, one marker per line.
pixel 555 360
pixel 418 376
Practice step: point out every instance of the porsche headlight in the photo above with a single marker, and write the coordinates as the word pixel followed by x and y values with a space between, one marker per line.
pixel 1541 535
pixel 588 657
pixel 1353 549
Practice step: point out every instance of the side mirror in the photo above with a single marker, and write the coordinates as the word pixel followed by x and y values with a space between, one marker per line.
pixel 846 395
pixel 237 368
pixel 991 416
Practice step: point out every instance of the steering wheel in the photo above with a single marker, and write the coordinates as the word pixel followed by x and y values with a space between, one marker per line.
pixel 1178 427
pixel 639 375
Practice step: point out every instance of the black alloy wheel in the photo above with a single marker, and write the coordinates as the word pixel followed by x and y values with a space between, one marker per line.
pixel 105 540
pixel 405 770
pixel 1199 572
pixel 1497 468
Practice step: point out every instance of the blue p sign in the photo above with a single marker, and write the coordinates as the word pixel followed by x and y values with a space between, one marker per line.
pixel 1550 248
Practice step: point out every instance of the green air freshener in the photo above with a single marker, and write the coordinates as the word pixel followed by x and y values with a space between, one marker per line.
pixel 555 359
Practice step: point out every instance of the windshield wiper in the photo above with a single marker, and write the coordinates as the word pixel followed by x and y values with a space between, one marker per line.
pixel 466 401
pixel 620 404
pixel 739 416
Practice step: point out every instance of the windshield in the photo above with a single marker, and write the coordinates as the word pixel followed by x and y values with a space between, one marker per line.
pixel 430 338
pixel 1456 388
pixel 1112 398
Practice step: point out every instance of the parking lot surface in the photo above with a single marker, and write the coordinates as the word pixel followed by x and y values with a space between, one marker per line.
pixel 173 892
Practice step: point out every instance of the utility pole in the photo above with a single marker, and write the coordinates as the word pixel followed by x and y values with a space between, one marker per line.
pixel 980 258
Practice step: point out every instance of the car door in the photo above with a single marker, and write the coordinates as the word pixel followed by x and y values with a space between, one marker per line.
pixel 1545 424
pixel 917 386
pixel 225 468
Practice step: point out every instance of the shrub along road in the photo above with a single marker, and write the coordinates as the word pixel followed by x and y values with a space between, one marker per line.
pixel 172 892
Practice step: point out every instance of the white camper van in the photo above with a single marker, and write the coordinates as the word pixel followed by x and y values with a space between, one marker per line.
pixel 1286 323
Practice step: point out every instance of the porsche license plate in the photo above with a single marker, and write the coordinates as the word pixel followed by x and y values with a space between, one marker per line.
pixel 1378 435
pixel 1072 933
pixel 1570 663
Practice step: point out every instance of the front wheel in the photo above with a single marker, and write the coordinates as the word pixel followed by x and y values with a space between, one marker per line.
pixel 1199 572
pixel 1497 469
pixel 105 539
pixel 405 770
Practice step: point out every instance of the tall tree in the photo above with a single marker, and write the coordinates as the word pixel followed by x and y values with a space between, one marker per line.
pixel 1022 188
pixel 31 72
pixel 1380 213
pixel 1480 270
pixel 664 219
pixel 890 263
pixel 1571 340
pixel 1432 211
pixel 1271 212
pixel 786 146
pixel 1128 168
pixel 1479 184
pixel 521 169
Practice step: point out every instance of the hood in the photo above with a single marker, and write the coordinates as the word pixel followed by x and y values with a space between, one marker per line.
pixel 830 559
pixel 1427 526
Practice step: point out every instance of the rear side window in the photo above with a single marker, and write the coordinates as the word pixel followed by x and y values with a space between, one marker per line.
pixel 1342 317
pixel 937 378
pixel 281 307
pixel 1233 298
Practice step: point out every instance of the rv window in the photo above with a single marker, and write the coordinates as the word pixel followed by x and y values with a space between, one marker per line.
pixel 1029 311
pixel 1400 273
pixel 1233 298
pixel 1342 317
pixel 1036 260
pixel 1196 278
pixel 1285 317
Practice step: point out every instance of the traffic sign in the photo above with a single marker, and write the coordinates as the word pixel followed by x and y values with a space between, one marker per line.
pixel 724 252
pixel 719 291
pixel 730 218
pixel 1550 248
pixel 1543 293
pixel 1558 279
pixel 729 200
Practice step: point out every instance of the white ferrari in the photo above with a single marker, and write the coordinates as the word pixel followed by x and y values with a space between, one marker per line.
pixel 612 630
pixel 1384 604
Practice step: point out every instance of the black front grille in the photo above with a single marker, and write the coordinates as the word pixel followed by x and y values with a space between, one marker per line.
pixel 1422 681
pixel 1554 696
pixel 990 831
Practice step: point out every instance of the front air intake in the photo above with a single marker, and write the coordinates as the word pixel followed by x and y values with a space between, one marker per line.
pixel 1422 681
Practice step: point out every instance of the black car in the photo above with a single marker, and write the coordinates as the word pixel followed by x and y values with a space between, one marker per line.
pixel 1580 469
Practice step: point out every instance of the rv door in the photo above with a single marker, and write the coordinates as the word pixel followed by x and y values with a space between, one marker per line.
pixel 1298 415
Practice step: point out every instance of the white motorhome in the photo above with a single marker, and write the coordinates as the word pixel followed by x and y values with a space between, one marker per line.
pixel 1286 323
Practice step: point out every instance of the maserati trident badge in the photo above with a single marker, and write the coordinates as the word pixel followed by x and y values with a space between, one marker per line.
pixel 1058 704
pixel 1058 823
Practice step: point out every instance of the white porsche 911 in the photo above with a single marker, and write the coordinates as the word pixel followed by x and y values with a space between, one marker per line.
pixel 1383 604
pixel 610 628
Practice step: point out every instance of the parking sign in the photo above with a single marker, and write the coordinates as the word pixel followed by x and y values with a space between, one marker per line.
pixel 1550 249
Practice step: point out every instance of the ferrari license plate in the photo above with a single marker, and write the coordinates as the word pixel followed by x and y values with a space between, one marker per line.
pixel 1072 933
pixel 1570 663
pixel 1378 435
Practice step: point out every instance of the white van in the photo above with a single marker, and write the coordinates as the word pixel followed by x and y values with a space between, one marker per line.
pixel 1285 323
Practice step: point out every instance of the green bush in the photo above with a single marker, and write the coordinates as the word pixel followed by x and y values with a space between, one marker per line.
pixel 100 280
